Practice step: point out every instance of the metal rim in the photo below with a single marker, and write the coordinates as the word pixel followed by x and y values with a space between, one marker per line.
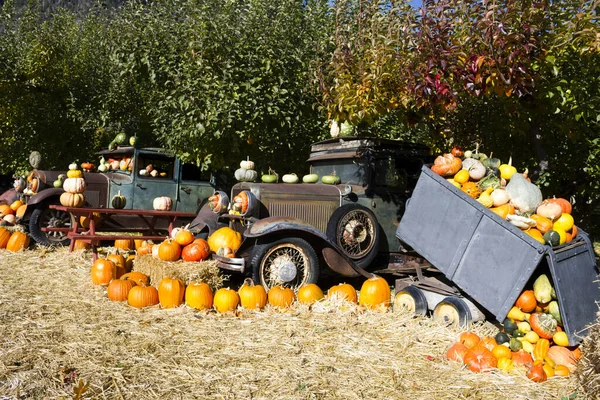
pixel 452 311
pixel 356 234
pixel 51 218
pixel 411 300
pixel 285 264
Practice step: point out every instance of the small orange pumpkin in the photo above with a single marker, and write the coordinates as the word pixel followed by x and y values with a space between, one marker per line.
pixel 471 189
pixel 375 292
pixel 279 296
pixel 184 237
pixel 252 297
pixel 479 358
pixel 199 295
pixel 526 301
pixel 224 237
pixel 118 289
pixel 457 352
pixel 469 339
pixel 169 250
pixel 536 373
pixel 226 299
pixel 125 244
pixel 309 293
pixel 18 241
pixel 195 251
pixel 103 271
pixel 170 292
pixel 141 296
pixel 344 291
pixel 119 261
pixel 5 235
pixel 137 278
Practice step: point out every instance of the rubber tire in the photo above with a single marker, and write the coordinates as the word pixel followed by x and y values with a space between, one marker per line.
pixel 35 230
pixel 332 225
pixel 462 309
pixel 261 250
pixel 419 299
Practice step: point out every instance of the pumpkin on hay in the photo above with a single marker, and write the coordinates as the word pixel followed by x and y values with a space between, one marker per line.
pixel 469 339
pixel 119 261
pixel 118 289
pixel 103 271
pixel 226 299
pixel 184 237
pixel 141 296
pixel 169 250
pixel 457 352
pixel 137 278
pixel 199 295
pixel 224 237
pixel 170 292
pixel 280 296
pixel 309 293
pixel 195 251
pixel 343 291
pixel 18 241
pixel 4 237
pixel 252 297
pixel 479 358
pixel 125 244
pixel 374 292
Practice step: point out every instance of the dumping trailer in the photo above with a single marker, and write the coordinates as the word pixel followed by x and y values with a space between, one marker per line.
pixel 485 262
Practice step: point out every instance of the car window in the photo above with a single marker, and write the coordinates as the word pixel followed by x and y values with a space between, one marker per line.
pixel 396 172
pixel 155 166
pixel 191 172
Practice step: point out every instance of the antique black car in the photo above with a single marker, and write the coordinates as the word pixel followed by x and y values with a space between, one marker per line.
pixel 292 230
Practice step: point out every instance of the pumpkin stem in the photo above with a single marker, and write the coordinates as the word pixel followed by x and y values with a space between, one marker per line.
pixel 249 282
pixel 510 160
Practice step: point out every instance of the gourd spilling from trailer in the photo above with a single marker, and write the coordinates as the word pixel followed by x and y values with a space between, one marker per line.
pixel 491 261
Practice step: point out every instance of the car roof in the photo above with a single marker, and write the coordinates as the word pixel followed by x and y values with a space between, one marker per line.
pixel 353 147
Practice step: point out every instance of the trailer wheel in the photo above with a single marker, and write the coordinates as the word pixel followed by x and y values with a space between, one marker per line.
pixel 452 311
pixel 289 262
pixel 412 300
pixel 355 230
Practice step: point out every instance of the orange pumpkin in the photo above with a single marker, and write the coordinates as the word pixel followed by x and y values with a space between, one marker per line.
pixel 469 339
pixel 195 251
pixel 15 205
pixel 141 296
pixel 561 370
pixel 137 277
pixel 252 297
pixel 18 241
pixel 224 237
pixel 522 358
pixel 488 342
pixel 5 209
pixel 21 211
pixel 119 261
pixel 103 271
pixel 309 293
pixel 562 356
pixel 118 289
pixel 536 373
pixel 125 244
pixel 199 295
pixel 4 237
pixel 279 296
pixel 375 292
pixel 81 245
pixel 226 300
pixel 471 189
pixel 184 237
pixel 500 351
pixel 240 202
pixel 169 250
pixel 526 301
pixel 479 358
pixel 170 292
pixel 344 291
pixel 457 352
pixel 504 210
pixel 564 204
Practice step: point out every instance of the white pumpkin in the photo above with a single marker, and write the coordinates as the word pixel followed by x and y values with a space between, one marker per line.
pixel 10 218
pixel 500 197
pixel 247 164
pixel 74 185
pixel 154 173
pixel 73 166
pixel 290 178
pixel 245 175
pixel 162 203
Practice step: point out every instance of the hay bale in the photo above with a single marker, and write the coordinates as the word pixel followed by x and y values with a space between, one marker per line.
pixel 588 367
pixel 205 271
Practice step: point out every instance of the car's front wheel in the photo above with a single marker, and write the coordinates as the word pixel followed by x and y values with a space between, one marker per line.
pixel 289 262
pixel 44 217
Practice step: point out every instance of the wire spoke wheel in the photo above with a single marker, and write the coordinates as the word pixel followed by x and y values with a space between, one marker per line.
pixel 49 218
pixel 286 265
pixel 290 262
pixel 356 234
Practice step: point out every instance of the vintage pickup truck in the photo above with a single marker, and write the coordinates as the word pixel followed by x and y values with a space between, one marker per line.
pixel 185 184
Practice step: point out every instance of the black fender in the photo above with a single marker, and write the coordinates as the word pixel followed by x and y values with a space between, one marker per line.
pixel 287 226
pixel 45 194
pixel 206 221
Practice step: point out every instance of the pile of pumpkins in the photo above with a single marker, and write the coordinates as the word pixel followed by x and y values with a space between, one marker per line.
pixel 10 214
pixel 247 173
pixel 531 339
pixel 13 241
pixel 73 186
pixel 509 194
